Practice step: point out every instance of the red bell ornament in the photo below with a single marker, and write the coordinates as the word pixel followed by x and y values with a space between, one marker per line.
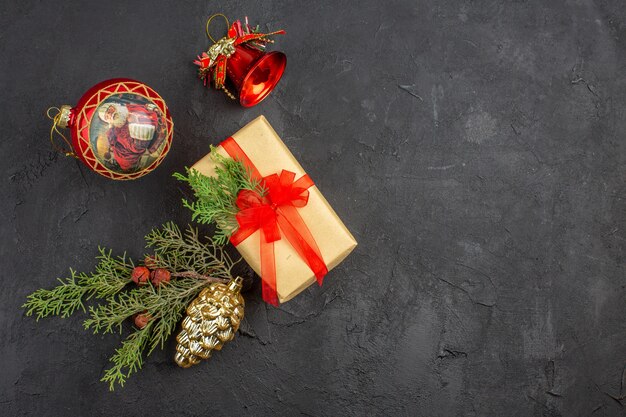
pixel 120 128
pixel 240 57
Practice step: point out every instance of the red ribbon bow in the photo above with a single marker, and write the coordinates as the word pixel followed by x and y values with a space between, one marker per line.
pixel 275 215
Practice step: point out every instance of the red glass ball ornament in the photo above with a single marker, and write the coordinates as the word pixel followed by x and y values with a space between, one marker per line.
pixel 120 128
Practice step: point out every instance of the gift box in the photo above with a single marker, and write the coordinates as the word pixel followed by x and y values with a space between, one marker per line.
pixel 264 148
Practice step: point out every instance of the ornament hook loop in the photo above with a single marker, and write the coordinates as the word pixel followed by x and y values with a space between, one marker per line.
pixel 208 22
pixel 59 120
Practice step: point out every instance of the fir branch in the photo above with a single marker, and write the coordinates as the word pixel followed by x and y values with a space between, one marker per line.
pixel 175 297
pixel 216 195
pixel 161 303
pixel 111 276
pixel 60 301
pixel 104 318
pixel 165 305
pixel 128 357
pixel 192 274
pixel 180 252
pixel 193 265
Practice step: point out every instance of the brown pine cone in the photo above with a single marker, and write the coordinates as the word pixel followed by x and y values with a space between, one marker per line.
pixel 142 319
pixel 159 276
pixel 140 275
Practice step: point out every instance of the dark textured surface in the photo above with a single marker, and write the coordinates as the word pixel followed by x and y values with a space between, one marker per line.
pixel 475 149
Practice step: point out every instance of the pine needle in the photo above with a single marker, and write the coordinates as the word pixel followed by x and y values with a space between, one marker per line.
pixel 175 251
pixel 216 196
pixel 128 358
pixel 111 275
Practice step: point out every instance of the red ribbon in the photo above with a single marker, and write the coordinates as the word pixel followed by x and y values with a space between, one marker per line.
pixel 275 215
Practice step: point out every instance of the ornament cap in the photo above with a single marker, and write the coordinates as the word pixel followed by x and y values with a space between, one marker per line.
pixel 65 114
pixel 235 285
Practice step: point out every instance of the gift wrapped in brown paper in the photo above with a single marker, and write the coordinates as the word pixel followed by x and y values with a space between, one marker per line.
pixel 266 151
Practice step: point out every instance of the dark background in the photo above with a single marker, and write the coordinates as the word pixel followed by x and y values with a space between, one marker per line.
pixel 474 148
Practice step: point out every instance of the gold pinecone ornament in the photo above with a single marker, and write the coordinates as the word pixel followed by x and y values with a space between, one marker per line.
pixel 213 318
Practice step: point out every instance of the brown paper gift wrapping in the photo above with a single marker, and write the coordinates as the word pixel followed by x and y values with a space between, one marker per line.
pixel 270 155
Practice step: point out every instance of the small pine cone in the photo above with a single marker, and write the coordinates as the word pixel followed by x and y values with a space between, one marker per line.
pixel 141 320
pixel 140 275
pixel 212 320
pixel 159 276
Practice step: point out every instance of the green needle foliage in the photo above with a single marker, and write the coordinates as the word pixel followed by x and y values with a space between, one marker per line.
pixel 110 277
pixel 193 264
pixel 216 196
